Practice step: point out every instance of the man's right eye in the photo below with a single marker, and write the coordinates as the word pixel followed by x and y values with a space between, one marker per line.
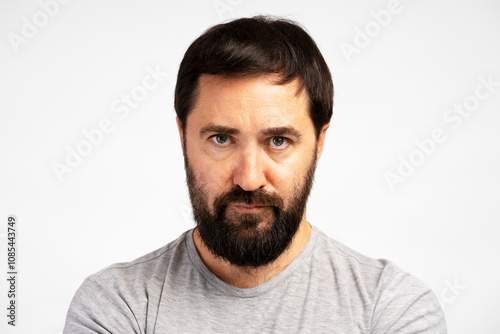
pixel 220 139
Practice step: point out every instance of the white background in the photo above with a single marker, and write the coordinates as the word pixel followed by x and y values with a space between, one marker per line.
pixel 128 196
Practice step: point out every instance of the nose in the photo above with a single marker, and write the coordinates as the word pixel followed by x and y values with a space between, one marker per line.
pixel 249 172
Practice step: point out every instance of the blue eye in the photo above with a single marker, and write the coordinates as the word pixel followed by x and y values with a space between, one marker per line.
pixel 220 139
pixel 279 142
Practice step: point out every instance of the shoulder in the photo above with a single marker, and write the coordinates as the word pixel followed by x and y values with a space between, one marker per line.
pixel 147 268
pixel 348 263
pixel 127 291
pixel 398 301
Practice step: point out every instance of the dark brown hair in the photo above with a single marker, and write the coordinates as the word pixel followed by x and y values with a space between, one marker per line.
pixel 253 46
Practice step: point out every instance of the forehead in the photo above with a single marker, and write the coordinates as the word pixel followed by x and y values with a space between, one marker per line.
pixel 250 102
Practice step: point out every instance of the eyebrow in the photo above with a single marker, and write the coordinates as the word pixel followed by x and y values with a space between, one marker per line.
pixel 276 131
pixel 282 131
pixel 218 129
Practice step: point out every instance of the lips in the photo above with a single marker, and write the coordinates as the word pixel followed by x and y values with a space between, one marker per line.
pixel 248 208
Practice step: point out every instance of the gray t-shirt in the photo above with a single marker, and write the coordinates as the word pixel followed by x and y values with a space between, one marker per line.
pixel 328 288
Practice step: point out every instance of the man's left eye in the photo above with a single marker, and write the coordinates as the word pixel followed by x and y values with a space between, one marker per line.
pixel 220 139
pixel 279 142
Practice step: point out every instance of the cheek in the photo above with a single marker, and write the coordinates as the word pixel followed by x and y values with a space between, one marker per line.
pixel 283 182
pixel 212 177
pixel 288 179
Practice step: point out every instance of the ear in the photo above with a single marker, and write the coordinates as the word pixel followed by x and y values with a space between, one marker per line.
pixel 179 127
pixel 321 141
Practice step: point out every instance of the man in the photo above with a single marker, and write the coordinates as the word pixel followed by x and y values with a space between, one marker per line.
pixel 254 100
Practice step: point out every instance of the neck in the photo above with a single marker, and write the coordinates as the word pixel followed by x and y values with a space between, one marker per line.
pixel 243 277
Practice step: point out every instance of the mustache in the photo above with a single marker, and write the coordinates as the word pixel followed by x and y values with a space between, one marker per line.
pixel 256 197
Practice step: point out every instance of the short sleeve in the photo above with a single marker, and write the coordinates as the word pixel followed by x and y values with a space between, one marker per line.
pixel 407 305
pixel 96 309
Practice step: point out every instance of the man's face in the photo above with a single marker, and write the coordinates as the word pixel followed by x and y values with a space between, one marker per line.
pixel 250 153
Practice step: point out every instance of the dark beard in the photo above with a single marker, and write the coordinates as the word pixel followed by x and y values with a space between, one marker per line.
pixel 244 239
